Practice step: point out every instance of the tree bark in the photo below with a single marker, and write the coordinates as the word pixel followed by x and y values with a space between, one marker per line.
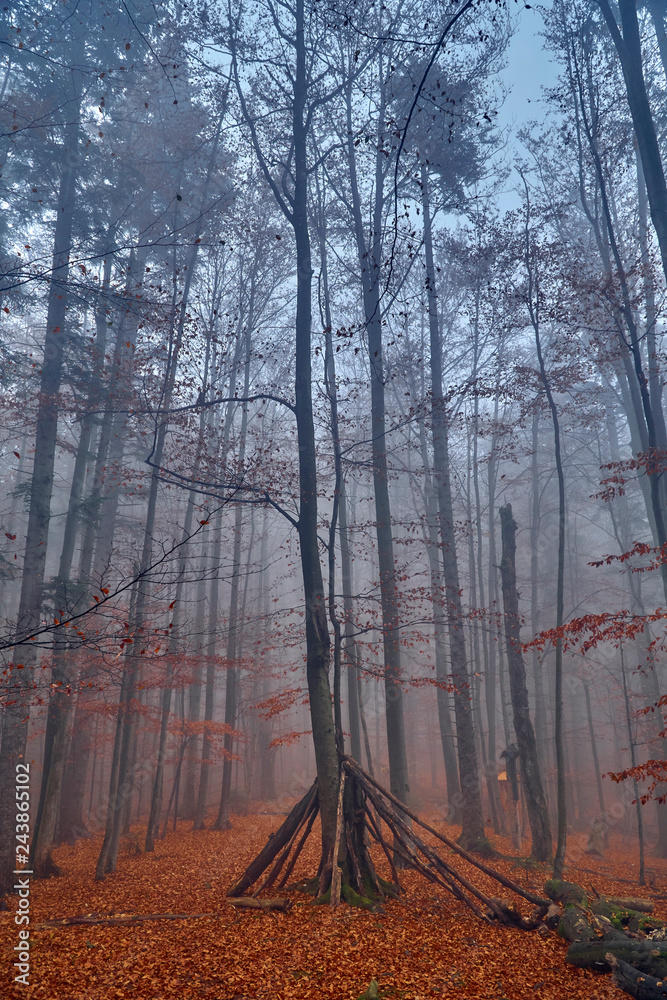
pixel 223 822
pixel 443 682
pixel 472 833
pixel 17 711
pixel 370 261
pixel 317 633
pixel 65 666
pixel 536 804
pixel 628 46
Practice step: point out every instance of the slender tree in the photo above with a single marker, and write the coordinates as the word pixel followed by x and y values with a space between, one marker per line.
pixel 538 815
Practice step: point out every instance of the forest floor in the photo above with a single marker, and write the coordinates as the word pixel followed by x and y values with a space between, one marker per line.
pixel 425 944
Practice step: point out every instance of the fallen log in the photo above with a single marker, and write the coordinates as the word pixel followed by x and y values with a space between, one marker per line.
pixel 629 903
pixel 625 917
pixel 575 925
pixel 647 956
pixel 251 903
pixel 512 916
pixel 565 893
pixel 118 919
pixel 609 932
pixel 636 983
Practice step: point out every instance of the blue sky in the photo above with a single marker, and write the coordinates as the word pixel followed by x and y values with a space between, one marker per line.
pixel 528 69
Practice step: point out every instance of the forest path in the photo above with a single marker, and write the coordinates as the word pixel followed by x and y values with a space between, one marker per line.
pixel 424 945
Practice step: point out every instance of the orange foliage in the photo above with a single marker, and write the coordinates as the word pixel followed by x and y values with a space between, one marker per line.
pixel 653 771
pixel 288 739
pixel 424 945
pixel 280 702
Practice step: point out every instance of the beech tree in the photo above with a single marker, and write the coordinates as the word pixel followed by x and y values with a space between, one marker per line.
pixel 261 257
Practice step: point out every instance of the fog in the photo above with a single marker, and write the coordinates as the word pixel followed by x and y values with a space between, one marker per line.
pixel 275 355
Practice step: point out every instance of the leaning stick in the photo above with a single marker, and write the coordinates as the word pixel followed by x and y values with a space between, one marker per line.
pixel 356 870
pixel 448 874
pixel 445 876
pixel 309 826
pixel 377 835
pixel 507 882
pixel 276 842
pixel 434 875
pixel 284 854
pixel 334 899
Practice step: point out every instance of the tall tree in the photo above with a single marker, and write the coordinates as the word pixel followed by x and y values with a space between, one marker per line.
pixel 625 34
pixel 300 35
pixel 69 91
pixel 538 816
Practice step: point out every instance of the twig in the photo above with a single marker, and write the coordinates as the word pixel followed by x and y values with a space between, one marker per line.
pixel 122 918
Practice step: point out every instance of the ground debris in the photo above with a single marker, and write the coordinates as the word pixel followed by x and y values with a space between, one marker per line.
pixel 425 945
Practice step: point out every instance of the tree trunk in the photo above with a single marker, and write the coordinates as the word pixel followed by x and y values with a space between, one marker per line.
pixel 199 819
pixel 120 796
pixel 223 822
pixel 533 305
pixel 658 15
pixel 488 762
pixel 176 640
pixel 472 833
pixel 266 753
pixel 633 762
pixel 594 751
pixel 494 676
pixel 71 823
pixel 65 666
pixel 370 260
pixel 338 524
pixel 647 956
pixel 447 739
pixel 317 633
pixel 538 815
pixel 628 45
pixel 350 647
pixel 17 711
pixel 153 827
pixel 537 660
pixel 102 502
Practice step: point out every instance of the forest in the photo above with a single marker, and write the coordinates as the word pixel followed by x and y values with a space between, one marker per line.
pixel 333 556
